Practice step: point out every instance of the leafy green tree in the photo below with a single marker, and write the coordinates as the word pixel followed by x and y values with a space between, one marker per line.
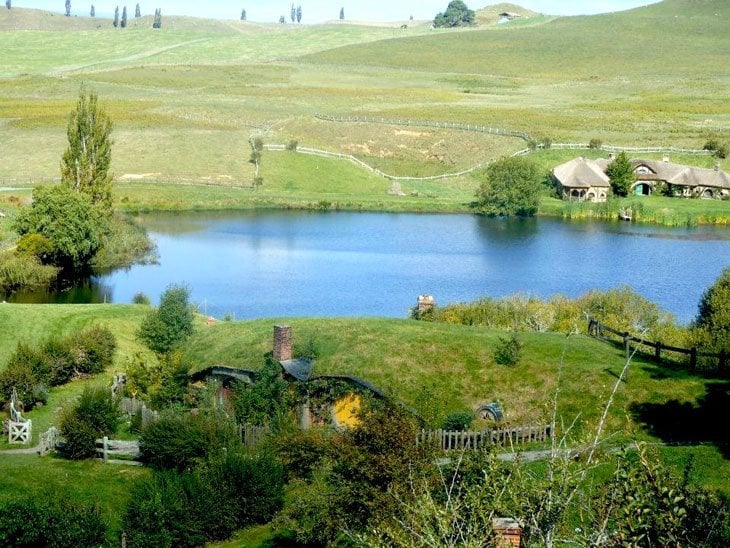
pixel 713 316
pixel 621 174
pixel 69 221
pixel 299 13
pixel 265 400
pixel 456 15
pixel 137 11
pixel 92 11
pixel 115 22
pixel 282 20
pixel 511 186
pixel 68 8
pixel 243 15
pixel 8 4
pixel 171 323
pixel 85 163
pixel 293 13
pixel 124 18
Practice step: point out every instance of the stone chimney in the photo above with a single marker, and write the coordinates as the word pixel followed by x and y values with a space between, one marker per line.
pixel 425 303
pixel 282 342
pixel 507 533
pixel 665 159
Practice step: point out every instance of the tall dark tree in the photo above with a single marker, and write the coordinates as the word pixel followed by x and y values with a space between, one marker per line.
pixel 124 17
pixel 171 323
pixel 293 13
pixel 713 315
pixel 243 15
pixel 85 163
pixel 137 11
pixel 92 11
pixel 342 14
pixel 116 17
pixel 299 13
pixel 621 174
pixel 8 4
pixel 68 8
pixel 157 23
pixel 282 20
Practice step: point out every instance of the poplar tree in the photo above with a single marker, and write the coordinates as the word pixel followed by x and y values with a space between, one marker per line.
pixel 92 11
pixel 342 14
pixel 85 163
pixel 299 13
pixel 157 23
pixel 293 13
pixel 116 17
pixel 243 15
pixel 124 17
pixel 7 4
pixel 68 8
pixel 137 11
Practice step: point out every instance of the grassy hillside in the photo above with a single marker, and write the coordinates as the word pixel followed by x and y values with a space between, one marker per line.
pixel 186 98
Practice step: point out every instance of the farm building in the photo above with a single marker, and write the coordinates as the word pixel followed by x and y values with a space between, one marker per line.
pixel 581 180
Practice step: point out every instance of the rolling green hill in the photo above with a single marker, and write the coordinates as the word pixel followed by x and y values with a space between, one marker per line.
pixel 186 98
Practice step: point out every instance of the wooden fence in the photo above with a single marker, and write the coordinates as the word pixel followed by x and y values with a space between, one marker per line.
pixel 252 435
pixel 603 332
pixel 117 448
pixel 456 441
pixel 132 406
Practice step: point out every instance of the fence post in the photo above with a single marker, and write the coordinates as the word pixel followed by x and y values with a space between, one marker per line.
pixel 658 351
pixel 722 360
pixel 693 358
pixel 105 441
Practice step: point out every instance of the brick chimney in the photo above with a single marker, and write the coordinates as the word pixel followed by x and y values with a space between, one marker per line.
pixel 425 303
pixel 282 342
pixel 507 533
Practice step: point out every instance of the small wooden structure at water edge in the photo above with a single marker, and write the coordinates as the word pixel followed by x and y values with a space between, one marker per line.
pixel 20 429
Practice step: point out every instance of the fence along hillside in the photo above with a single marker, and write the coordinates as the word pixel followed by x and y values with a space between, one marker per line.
pixel 447 440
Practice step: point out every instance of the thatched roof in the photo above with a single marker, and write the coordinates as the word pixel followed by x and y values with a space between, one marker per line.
pixel 581 173
pixel 677 174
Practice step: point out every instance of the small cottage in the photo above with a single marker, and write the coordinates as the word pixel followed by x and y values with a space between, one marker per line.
pixel 581 180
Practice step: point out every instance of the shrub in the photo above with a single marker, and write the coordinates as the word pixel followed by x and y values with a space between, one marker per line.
pixel 712 323
pixel 459 420
pixel 60 360
pixel 21 377
pixel 292 145
pixel 18 270
pixel 35 245
pixel 511 186
pixel 141 298
pixel 508 350
pixel 47 519
pixel 178 441
pixel 168 326
pixel 96 414
pixel 265 400
pixel 595 144
pixel 300 451
pixel 95 349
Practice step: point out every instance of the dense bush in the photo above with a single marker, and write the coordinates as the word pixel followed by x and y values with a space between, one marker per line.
pixel 140 298
pixel 300 451
pixel 171 323
pixel 459 420
pixel 507 350
pixel 96 414
pixel 180 440
pixel 457 14
pixel 511 186
pixel 227 492
pixel 57 360
pixel 265 400
pixel 18 270
pixel 712 324
pixel 49 520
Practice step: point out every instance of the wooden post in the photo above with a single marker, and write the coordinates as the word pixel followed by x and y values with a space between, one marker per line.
pixel 658 351
pixel 722 361
pixel 105 442
pixel 693 358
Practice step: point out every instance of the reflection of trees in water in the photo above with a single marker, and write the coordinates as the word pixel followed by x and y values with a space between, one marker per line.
pixel 507 229
pixel 88 290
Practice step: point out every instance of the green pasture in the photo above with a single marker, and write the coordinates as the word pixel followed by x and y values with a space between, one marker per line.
pixel 186 98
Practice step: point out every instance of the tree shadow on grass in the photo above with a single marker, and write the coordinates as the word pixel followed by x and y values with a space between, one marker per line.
pixel 677 422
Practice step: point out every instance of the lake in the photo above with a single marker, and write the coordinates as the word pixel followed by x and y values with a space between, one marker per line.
pixel 282 264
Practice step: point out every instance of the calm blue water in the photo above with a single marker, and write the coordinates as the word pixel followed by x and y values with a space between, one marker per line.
pixel 277 264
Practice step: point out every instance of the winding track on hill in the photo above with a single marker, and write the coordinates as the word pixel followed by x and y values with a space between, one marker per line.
pixel 135 57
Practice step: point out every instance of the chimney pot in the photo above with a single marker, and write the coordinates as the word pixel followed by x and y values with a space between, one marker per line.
pixel 507 532
pixel 282 343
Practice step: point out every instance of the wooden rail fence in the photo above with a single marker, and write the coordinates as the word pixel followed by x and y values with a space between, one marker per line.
pixel 447 440
pixel 252 435
pixel 117 448
pixel 601 331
